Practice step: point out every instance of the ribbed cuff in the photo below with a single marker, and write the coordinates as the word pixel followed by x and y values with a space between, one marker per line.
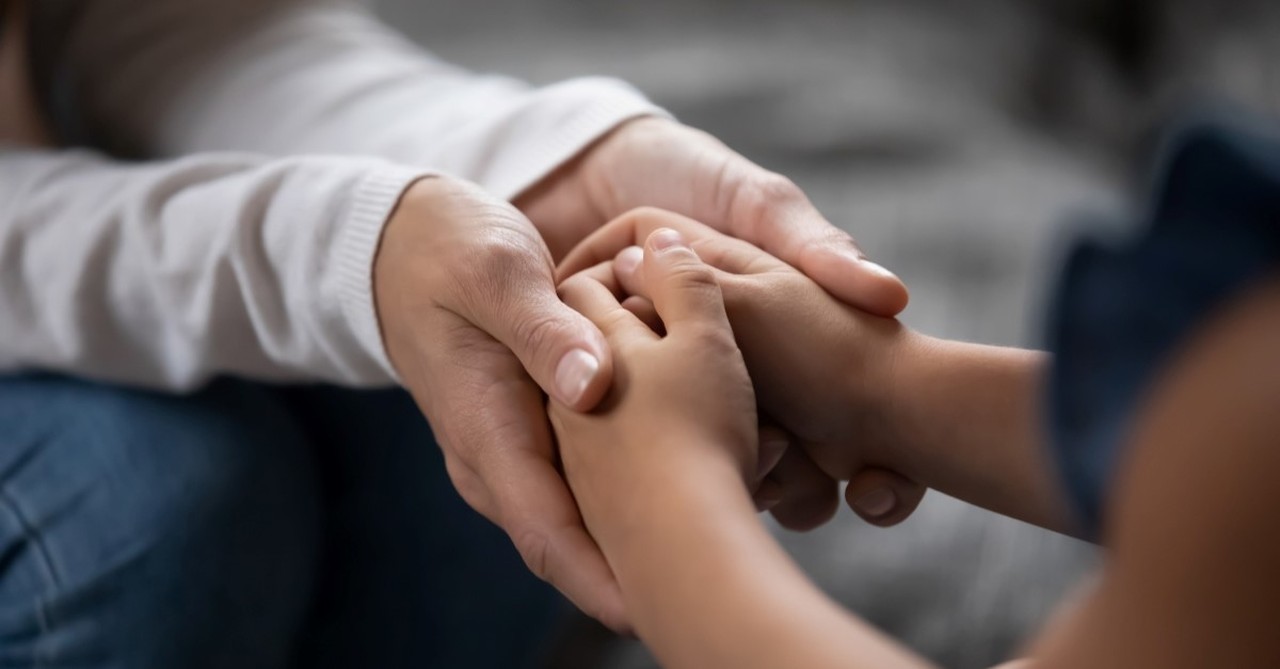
pixel 357 244
pixel 559 122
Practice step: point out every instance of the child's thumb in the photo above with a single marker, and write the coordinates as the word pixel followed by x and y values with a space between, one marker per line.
pixel 684 289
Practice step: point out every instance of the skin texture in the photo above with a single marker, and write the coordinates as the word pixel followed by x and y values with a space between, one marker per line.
pixel 465 292
pixel 834 376
pixel 817 385
pixel 1190 579
pixel 467 304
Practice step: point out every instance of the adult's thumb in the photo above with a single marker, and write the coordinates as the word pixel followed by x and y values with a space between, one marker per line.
pixel 563 351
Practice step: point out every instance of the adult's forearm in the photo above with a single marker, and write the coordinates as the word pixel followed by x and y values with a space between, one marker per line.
pixel 965 419
pixel 302 76
pixel 164 274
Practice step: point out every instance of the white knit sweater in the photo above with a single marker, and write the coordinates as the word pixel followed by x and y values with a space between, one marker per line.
pixel 270 140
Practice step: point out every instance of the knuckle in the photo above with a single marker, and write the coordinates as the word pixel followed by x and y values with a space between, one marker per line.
pixel 690 273
pixel 501 264
pixel 758 198
pixel 500 250
pixel 644 213
pixel 713 339
pixel 772 187
pixel 535 548
pixel 644 219
pixel 828 239
pixel 539 332
pixel 472 491
pixel 607 617
pixel 572 285
pixel 614 322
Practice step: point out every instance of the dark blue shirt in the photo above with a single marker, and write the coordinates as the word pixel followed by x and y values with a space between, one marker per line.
pixel 1122 308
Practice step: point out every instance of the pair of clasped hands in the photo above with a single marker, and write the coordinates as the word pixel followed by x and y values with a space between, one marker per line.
pixel 658 305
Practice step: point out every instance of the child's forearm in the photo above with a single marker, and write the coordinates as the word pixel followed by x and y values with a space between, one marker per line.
pixel 707 586
pixel 965 419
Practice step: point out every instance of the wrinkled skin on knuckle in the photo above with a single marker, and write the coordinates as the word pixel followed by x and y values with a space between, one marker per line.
pixel 639 222
pixel 617 321
pixel 713 340
pixel 638 217
pixel 691 275
pixel 452 243
pixel 498 267
pixel 776 188
pixel 832 239
pixel 759 197
pixel 469 486
pixel 535 548
pixel 539 332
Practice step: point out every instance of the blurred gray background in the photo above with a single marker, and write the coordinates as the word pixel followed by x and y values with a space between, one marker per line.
pixel 959 142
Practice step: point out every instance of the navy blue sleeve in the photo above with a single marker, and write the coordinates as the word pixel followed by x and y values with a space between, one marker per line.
pixel 1122 309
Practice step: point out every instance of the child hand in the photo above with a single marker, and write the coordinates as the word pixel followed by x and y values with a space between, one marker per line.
pixel 681 404
pixel 821 370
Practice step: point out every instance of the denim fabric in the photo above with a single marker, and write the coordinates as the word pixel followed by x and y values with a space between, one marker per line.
pixel 1122 309
pixel 245 526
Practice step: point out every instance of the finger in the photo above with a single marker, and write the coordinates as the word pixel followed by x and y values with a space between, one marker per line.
pixel 540 515
pixel 634 227
pixel 604 274
pixel 684 290
pixel 882 497
pixel 493 422
pixel 810 497
pixel 469 485
pixel 591 298
pixel 644 310
pixel 510 295
pixel 627 268
pixel 767 495
pixel 506 441
pixel 774 442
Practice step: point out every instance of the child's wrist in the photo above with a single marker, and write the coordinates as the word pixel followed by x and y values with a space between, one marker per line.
pixel 704 480
pixel 711 494
pixel 880 394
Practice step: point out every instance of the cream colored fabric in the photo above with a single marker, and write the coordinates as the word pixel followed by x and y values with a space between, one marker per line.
pixel 272 140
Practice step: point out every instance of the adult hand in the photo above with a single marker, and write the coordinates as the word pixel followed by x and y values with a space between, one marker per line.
pixel 466 298
pixel 656 162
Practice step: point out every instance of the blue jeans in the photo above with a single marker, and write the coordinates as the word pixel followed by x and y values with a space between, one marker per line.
pixel 245 526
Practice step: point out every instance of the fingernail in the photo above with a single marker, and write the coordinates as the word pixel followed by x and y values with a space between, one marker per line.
pixel 665 239
pixel 574 374
pixel 628 260
pixel 876 503
pixel 771 446
pixel 768 495
pixel 878 269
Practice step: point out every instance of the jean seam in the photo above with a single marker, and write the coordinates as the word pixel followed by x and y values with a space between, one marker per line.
pixel 45 560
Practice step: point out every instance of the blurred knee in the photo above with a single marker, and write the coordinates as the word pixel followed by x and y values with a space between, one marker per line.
pixel 180 517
